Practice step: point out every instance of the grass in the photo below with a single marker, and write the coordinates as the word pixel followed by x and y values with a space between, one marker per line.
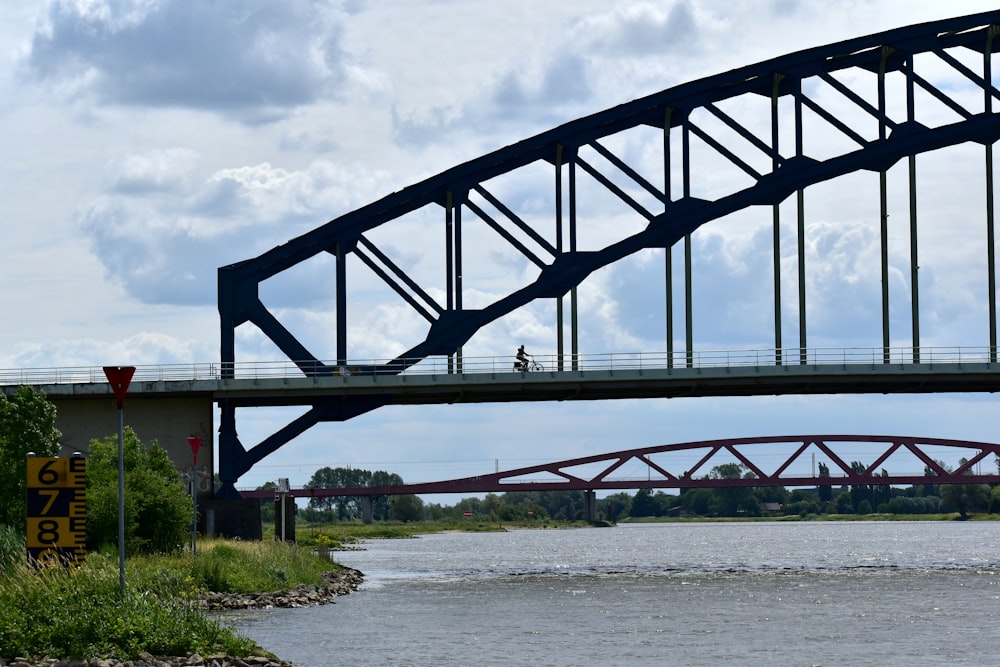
pixel 12 548
pixel 231 566
pixel 83 614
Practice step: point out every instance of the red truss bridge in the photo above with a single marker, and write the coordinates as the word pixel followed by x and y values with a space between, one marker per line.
pixel 790 461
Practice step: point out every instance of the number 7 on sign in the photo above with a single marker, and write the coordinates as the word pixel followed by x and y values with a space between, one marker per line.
pixel 52 494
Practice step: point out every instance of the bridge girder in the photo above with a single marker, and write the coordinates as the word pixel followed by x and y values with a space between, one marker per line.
pixel 669 211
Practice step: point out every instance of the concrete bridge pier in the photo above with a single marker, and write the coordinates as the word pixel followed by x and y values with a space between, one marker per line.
pixel 590 505
pixel 284 518
pixel 367 511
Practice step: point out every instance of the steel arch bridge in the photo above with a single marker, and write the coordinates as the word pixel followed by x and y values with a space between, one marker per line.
pixel 885 98
pixel 887 460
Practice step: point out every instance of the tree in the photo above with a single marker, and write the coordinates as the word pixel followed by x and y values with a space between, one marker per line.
pixel 27 424
pixel 350 507
pixel 698 501
pixel 267 511
pixel 845 503
pixel 158 510
pixel 824 492
pixel 995 500
pixel 731 499
pixel 802 504
pixel 407 508
pixel 859 492
pixel 965 498
pixel 614 506
pixel 645 504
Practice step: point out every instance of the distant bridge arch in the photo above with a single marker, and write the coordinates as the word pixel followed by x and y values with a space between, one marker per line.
pixel 668 207
pixel 785 460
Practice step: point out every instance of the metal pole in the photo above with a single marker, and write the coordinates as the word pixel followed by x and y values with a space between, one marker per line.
pixel 194 518
pixel 884 211
pixel 776 219
pixel 990 235
pixel 119 378
pixel 121 497
pixel 914 255
pixel 560 343
pixel 668 267
pixel 449 277
pixel 574 332
pixel 688 291
pixel 801 227
pixel 283 488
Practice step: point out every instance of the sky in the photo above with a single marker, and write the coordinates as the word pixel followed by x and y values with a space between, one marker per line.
pixel 149 142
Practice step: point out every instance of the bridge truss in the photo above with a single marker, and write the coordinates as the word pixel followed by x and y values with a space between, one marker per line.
pixel 789 461
pixel 886 98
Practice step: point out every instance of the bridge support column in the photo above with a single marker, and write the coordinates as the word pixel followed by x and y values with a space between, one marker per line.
pixel 590 505
pixel 367 511
pixel 229 450
pixel 284 518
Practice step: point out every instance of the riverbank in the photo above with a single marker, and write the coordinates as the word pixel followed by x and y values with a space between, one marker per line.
pixel 160 619
pixel 335 584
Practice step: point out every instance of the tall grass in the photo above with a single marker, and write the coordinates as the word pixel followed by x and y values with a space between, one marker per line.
pixel 229 566
pixel 84 614
pixel 12 548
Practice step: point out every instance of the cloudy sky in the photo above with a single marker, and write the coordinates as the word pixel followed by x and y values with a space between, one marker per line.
pixel 149 142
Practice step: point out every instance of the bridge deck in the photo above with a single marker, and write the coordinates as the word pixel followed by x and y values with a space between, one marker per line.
pixel 564 385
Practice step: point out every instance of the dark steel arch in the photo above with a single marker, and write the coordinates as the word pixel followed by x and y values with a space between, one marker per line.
pixel 560 475
pixel 575 149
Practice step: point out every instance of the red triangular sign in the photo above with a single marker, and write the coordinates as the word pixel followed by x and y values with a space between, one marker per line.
pixel 119 378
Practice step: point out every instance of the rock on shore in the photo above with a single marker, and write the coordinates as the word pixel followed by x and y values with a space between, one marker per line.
pixel 338 582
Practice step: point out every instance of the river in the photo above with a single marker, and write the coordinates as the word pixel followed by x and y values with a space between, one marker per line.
pixel 718 594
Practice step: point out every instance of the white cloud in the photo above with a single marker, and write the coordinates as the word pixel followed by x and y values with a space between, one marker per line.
pixel 143 349
pixel 155 171
pixel 644 30
pixel 161 231
pixel 254 60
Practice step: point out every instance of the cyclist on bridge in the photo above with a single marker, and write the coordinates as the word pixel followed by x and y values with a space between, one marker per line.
pixel 522 359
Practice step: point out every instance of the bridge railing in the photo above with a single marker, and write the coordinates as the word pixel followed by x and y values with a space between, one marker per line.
pixel 95 374
pixel 442 365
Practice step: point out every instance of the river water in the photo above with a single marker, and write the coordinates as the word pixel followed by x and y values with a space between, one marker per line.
pixel 770 594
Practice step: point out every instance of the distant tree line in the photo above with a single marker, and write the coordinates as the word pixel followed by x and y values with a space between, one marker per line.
pixel 347 508
pixel 712 501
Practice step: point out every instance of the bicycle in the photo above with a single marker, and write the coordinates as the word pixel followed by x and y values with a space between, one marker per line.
pixel 528 366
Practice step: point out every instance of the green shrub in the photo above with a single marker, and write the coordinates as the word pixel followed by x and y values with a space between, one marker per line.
pixel 27 424
pixel 158 509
